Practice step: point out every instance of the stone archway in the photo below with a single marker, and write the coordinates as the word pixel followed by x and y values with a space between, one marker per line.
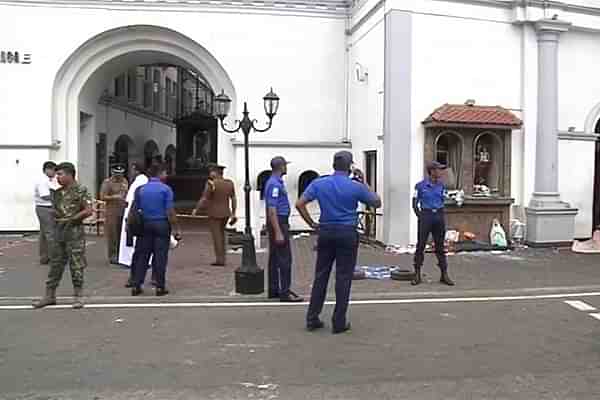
pixel 109 45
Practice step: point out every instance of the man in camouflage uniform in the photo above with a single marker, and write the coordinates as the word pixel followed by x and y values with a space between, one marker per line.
pixel 72 204
pixel 113 192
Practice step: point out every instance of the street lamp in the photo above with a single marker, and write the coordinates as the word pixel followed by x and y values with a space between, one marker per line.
pixel 249 278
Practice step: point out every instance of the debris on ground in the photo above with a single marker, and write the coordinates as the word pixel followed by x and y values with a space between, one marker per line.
pixel 591 246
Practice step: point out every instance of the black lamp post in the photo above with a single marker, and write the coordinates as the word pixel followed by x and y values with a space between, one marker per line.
pixel 249 278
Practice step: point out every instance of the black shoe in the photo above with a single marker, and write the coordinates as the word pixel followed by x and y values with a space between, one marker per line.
pixel 45 261
pixel 335 331
pixel 445 279
pixel 291 298
pixel 114 261
pixel 161 292
pixel 154 283
pixel 216 264
pixel 273 295
pixel 313 326
pixel 417 279
pixel 129 284
pixel 136 291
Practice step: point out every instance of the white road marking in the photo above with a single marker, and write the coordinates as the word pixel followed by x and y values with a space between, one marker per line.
pixel 595 315
pixel 278 304
pixel 580 305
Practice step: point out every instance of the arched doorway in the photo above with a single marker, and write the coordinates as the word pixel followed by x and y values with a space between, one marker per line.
pixel 151 153
pixel 103 55
pixel 124 147
pixel 170 155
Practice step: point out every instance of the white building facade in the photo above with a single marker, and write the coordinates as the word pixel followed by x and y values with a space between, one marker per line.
pixel 361 76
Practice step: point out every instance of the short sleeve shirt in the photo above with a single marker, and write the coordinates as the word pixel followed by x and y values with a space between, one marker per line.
pixel 70 201
pixel 276 196
pixel 338 198
pixel 430 195
pixel 156 199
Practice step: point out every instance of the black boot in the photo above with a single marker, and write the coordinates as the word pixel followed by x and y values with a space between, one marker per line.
pixel 417 279
pixel 445 279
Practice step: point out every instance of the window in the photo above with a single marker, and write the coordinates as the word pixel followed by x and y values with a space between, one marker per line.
pixel 120 85
pixel 448 151
pixel 488 164
pixel 132 85
pixel 261 182
pixel 156 88
pixel 168 95
pixel 305 179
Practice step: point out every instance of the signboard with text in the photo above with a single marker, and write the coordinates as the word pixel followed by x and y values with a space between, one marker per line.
pixel 14 57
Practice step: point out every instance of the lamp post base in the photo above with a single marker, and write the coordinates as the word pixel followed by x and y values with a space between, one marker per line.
pixel 250 282
pixel 249 278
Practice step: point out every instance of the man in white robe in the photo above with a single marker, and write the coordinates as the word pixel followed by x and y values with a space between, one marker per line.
pixel 125 251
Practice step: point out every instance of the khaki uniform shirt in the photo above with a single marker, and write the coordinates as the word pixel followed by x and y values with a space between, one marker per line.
pixel 219 198
pixel 114 186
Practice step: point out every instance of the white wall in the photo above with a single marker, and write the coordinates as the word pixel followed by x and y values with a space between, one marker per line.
pixel 365 101
pixel 576 181
pixel 301 57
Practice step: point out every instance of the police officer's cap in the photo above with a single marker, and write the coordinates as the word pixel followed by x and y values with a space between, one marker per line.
pixel 431 165
pixel 278 162
pixel 342 160
pixel 118 169
pixel 216 167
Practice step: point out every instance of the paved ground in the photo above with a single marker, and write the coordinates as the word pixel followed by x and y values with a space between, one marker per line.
pixel 191 276
pixel 528 349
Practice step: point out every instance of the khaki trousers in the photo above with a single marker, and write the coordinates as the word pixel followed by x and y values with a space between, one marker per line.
pixel 114 218
pixel 217 230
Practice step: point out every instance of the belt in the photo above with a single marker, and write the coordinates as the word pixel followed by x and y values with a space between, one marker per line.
pixel 37 205
pixel 434 210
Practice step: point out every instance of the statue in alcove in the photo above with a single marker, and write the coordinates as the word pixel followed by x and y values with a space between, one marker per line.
pixel 200 150
pixel 482 154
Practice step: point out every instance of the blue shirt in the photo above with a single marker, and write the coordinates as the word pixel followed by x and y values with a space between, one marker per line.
pixel 276 196
pixel 430 195
pixel 338 198
pixel 155 199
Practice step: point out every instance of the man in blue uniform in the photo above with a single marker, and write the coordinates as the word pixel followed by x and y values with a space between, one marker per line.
pixel 280 252
pixel 338 196
pixel 428 205
pixel 155 199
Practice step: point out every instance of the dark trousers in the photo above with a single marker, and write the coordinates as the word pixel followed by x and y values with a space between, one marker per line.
pixel 155 241
pixel 431 222
pixel 280 261
pixel 339 244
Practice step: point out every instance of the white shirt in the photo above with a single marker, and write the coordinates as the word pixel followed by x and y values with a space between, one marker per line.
pixel 42 189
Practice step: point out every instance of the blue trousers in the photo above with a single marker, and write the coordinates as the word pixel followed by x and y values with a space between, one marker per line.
pixel 155 241
pixel 339 244
pixel 280 261
pixel 431 223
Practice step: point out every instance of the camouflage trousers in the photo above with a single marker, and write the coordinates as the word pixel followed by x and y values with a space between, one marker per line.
pixel 69 247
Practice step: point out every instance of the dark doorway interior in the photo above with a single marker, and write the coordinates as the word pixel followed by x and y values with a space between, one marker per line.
pixel 101 149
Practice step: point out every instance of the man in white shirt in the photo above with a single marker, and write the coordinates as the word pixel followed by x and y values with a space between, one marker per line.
pixel 43 208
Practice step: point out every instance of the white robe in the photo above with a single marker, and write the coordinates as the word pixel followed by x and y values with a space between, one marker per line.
pixel 126 252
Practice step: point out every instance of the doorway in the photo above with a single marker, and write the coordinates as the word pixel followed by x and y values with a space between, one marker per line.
pixel 370 223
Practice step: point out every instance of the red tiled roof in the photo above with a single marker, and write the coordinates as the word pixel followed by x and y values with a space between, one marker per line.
pixel 473 115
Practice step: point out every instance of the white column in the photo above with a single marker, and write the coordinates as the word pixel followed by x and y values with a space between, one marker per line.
pixel 397 127
pixel 549 220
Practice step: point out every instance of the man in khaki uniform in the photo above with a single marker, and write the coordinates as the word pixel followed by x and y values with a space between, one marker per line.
pixel 220 202
pixel 114 191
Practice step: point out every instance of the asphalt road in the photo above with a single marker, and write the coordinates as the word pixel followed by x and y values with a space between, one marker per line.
pixel 525 349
